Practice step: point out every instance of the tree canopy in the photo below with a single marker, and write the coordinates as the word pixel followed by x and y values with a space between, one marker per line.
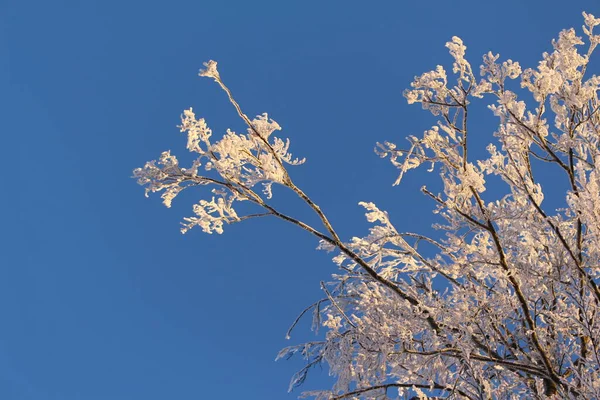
pixel 504 302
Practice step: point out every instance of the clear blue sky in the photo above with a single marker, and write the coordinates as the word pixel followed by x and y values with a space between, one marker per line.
pixel 101 297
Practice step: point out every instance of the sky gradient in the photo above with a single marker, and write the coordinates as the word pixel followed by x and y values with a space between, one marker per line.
pixel 101 297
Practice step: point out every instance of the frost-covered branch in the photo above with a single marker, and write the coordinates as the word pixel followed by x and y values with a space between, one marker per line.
pixel 502 300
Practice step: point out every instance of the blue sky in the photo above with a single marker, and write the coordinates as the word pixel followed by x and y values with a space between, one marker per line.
pixel 101 297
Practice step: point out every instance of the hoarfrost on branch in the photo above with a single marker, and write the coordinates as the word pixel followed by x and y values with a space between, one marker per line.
pixel 518 313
